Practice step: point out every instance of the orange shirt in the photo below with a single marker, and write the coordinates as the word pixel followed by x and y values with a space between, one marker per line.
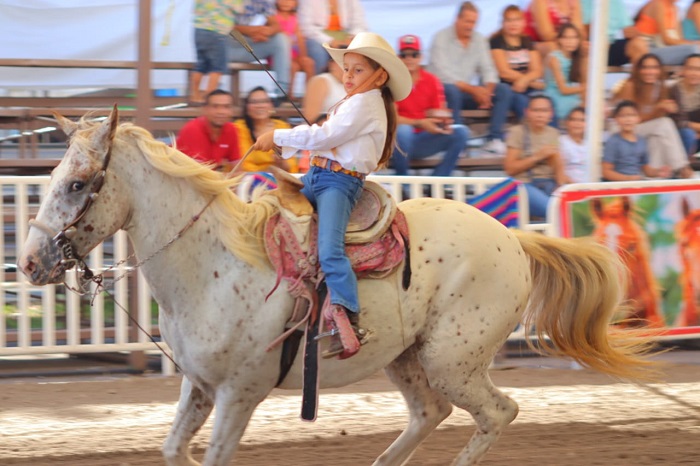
pixel 647 25
pixel 334 23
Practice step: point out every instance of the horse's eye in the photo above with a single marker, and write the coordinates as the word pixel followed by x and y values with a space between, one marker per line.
pixel 76 187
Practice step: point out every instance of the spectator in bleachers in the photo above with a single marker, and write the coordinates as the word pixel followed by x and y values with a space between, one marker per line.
pixel 212 23
pixel 287 18
pixel 626 43
pixel 646 88
pixel 572 148
pixel 544 18
pixel 324 90
pixel 565 72
pixel 691 22
pixel 212 138
pixel 421 130
pixel 459 55
pixel 335 22
pixel 658 21
pixel 267 40
pixel 533 154
pixel 516 60
pixel 625 157
pixel 257 119
pixel 686 94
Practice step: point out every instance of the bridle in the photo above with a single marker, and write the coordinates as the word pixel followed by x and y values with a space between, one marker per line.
pixel 63 239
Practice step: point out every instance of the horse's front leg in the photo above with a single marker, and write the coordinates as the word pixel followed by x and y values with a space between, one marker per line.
pixel 193 409
pixel 234 408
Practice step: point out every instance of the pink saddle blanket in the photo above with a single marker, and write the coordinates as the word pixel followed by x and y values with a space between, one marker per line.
pixel 295 264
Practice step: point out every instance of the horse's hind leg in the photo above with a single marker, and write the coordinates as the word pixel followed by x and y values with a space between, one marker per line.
pixel 492 410
pixel 427 408
pixel 193 409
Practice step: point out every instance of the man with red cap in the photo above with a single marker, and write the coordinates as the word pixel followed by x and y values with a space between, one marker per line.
pixel 425 124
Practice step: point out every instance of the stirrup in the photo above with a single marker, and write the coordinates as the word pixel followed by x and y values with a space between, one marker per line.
pixel 347 343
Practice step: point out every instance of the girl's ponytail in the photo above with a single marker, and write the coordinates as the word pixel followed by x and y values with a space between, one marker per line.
pixel 392 121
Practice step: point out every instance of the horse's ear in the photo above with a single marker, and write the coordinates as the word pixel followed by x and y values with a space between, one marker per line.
pixel 626 206
pixel 66 125
pixel 597 207
pixel 685 206
pixel 106 131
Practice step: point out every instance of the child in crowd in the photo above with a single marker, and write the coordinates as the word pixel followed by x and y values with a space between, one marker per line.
pixel 287 19
pixel 625 156
pixel 356 139
pixel 565 72
pixel 571 148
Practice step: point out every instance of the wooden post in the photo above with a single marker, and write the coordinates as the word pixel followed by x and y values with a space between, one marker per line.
pixel 143 86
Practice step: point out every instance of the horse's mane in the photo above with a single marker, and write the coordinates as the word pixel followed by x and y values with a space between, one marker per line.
pixel 241 224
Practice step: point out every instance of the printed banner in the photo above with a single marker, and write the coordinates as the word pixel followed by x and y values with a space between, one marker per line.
pixel 656 232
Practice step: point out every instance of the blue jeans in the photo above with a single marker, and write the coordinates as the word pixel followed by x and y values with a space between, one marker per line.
pixel 334 195
pixel 211 51
pixel 316 51
pixel 689 138
pixel 278 48
pixel 538 196
pixel 502 102
pixel 423 144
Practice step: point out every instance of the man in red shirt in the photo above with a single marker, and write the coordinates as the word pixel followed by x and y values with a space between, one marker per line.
pixel 425 123
pixel 212 138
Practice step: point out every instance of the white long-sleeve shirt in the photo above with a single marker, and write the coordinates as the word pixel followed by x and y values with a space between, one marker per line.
pixel 354 135
pixel 313 18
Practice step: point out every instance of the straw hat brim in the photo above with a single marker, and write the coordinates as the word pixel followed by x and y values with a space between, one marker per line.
pixel 399 82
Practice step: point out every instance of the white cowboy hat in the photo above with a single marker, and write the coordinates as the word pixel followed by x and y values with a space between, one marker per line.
pixel 375 47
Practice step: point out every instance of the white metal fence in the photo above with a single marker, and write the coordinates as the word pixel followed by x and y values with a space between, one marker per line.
pixel 52 319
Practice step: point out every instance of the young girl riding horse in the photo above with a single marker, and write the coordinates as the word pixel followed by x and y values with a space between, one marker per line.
pixel 357 138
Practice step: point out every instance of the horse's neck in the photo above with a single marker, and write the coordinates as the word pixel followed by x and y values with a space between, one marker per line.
pixel 162 206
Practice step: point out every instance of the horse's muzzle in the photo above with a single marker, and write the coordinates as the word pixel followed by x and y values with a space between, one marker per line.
pixel 43 266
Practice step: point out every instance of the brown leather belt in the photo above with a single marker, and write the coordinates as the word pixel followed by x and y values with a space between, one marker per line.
pixel 332 165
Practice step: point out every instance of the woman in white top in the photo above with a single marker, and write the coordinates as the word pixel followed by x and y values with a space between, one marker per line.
pixel 334 22
pixel 323 91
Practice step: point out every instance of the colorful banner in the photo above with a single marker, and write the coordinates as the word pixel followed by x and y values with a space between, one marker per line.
pixel 655 228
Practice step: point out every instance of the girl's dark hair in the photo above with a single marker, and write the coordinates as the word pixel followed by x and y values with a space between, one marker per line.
pixel 574 110
pixel 540 96
pixel 692 55
pixel 391 118
pixel 246 116
pixel 623 105
pixel 576 70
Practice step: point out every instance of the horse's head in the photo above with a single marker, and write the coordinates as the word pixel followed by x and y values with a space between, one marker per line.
pixel 688 233
pixel 83 206
pixel 615 227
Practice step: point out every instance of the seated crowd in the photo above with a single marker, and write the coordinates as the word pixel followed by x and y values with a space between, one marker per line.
pixel 533 67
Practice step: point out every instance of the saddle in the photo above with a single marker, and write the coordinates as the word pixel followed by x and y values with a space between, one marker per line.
pixel 375 242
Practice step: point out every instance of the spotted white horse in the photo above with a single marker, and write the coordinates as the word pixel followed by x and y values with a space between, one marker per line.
pixel 472 282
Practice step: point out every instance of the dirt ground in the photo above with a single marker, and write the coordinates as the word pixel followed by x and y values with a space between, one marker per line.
pixel 567 417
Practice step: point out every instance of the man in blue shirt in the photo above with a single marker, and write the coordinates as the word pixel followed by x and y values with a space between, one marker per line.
pixel 255 19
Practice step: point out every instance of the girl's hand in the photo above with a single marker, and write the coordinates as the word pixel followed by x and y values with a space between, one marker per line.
pixel 265 141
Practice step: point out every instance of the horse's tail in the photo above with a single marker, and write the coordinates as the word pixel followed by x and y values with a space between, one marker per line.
pixel 577 287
